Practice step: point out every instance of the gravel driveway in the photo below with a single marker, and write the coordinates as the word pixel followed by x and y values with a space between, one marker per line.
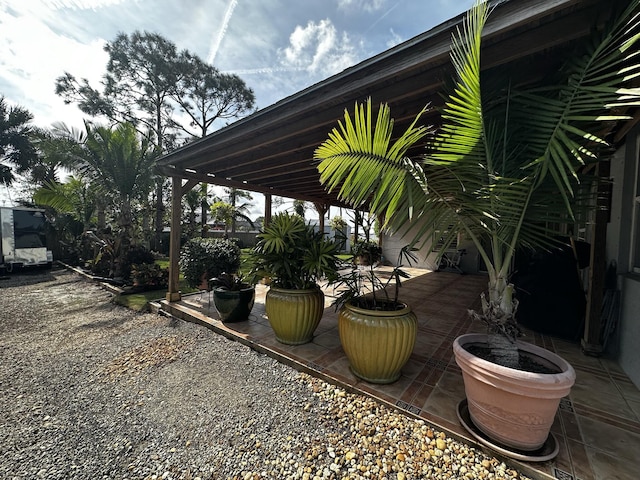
pixel 91 390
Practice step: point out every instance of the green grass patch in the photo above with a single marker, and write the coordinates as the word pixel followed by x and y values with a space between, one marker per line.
pixel 140 301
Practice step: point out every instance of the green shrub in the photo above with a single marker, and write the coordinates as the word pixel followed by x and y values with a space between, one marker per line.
pixel 367 252
pixel 149 275
pixel 206 258
pixel 137 255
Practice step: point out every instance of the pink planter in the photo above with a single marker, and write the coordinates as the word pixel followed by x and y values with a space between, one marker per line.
pixel 512 407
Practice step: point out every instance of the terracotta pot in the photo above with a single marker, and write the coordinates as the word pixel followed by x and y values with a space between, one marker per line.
pixel 294 314
pixel 513 407
pixel 234 305
pixel 377 343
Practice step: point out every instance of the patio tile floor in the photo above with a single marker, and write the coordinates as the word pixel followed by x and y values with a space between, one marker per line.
pixel 597 426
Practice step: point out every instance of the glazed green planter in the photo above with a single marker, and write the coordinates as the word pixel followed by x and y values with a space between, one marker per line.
pixel 234 305
pixel 294 314
pixel 377 343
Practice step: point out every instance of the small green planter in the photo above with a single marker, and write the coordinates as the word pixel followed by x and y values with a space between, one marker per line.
pixel 234 305
pixel 294 314
pixel 378 343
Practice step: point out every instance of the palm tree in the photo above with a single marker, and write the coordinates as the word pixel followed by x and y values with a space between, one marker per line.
pixel 56 149
pixel 239 211
pixel 16 148
pixel 74 197
pixel 299 208
pixel 228 213
pixel 122 164
pixel 222 212
pixel 192 200
pixel 118 164
pixel 503 169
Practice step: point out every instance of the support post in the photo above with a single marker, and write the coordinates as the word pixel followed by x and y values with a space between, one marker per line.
pixel 177 190
pixel 591 342
pixel 267 209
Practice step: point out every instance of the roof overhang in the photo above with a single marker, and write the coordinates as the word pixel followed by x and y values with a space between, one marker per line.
pixel 272 150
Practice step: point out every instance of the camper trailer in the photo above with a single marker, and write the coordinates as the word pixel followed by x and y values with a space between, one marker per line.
pixel 23 239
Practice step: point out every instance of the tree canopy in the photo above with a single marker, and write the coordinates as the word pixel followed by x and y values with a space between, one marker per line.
pixel 159 89
pixel 170 95
pixel 16 147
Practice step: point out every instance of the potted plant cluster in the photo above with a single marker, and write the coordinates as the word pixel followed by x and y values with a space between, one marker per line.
pixel 205 258
pixel 366 252
pixel 233 297
pixel 149 275
pixel 504 169
pixel 295 258
pixel 377 330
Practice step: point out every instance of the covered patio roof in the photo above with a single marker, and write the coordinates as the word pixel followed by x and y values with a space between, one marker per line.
pixel 272 150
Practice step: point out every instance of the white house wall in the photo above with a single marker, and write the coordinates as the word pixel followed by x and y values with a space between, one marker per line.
pixel 391 245
pixel 621 239
pixel 629 356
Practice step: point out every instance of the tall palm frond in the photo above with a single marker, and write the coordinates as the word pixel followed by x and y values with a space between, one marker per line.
pixel 74 197
pixel 503 170
pixel 120 160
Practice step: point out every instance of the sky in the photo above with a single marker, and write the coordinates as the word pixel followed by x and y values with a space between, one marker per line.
pixel 278 47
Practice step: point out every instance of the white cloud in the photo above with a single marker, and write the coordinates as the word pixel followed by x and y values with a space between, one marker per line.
pixel 33 56
pixel 78 4
pixel 319 49
pixel 394 40
pixel 366 5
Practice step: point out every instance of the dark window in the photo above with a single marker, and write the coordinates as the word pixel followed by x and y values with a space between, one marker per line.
pixel 29 229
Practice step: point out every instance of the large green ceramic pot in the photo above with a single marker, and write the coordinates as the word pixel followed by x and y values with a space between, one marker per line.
pixel 294 314
pixel 234 305
pixel 378 343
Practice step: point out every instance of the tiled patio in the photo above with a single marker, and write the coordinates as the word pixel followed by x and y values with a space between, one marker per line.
pixel 597 426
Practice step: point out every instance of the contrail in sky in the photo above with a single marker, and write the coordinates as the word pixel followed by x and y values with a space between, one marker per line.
pixel 263 70
pixel 215 44
pixel 383 15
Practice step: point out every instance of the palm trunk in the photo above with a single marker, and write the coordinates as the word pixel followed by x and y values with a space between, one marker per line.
pixel 100 212
pixel 498 312
pixel 204 209
pixel 146 222
pixel 124 243
pixel 159 220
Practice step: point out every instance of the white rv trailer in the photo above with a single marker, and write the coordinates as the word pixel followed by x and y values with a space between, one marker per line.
pixel 23 238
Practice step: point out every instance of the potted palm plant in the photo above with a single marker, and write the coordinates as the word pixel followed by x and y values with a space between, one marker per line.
pixel 295 258
pixel 377 331
pixel 503 169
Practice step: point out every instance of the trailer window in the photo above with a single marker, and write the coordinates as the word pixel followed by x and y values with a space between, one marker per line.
pixel 29 230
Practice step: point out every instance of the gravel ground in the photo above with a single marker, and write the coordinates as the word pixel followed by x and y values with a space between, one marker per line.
pixel 93 390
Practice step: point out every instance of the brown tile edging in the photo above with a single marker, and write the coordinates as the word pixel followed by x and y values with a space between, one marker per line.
pixel 190 315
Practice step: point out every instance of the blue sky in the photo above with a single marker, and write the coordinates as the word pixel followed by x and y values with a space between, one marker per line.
pixel 277 47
